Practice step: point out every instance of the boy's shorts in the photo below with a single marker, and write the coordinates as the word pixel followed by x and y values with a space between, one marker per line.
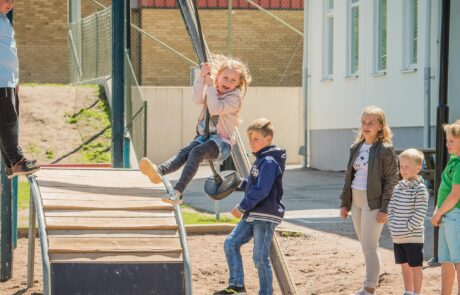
pixel 410 253
pixel 449 237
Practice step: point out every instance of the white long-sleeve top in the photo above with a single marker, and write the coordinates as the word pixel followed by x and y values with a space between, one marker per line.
pixel 227 106
pixel 407 211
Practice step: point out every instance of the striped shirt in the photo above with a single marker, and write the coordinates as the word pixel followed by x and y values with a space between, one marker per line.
pixel 407 211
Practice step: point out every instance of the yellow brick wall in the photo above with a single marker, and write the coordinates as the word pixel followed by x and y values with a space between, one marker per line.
pixel 41 34
pixel 267 46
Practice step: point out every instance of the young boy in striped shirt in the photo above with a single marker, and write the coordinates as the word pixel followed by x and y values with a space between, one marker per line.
pixel 406 216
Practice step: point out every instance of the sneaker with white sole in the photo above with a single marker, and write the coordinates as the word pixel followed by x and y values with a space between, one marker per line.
pixel 150 170
pixel 174 198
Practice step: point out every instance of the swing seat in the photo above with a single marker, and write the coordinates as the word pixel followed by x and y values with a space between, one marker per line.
pixel 220 187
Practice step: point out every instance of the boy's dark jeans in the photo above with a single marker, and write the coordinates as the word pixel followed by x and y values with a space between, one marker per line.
pixel 191 155
pixel 9 115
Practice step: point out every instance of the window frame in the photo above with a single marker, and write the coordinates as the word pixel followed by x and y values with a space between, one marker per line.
pixel 411 35
pixel 328 39
pixel 351 70
pixel 380 46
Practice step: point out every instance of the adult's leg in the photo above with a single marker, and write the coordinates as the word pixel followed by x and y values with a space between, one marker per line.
pixel 9 127
pixel 263 235
pixel 457 269
pixel 205 151
pixel 178 160
pixel 241 234
pixel 447 278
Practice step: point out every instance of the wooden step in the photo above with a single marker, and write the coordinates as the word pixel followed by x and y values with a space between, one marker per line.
pixel 105 205
pixel 113 245
pixel 53 223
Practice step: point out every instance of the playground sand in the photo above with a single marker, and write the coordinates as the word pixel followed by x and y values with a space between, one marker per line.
pixel 319 263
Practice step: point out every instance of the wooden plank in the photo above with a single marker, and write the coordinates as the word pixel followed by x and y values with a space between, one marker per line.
pixel 131 191
pixel 109 223
pixel 88 205
pixel 96 197
pixel 113 245
pixel 115 257
pixel 110 213
pixel 114 233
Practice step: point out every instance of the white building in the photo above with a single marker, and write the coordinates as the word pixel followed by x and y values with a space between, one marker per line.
pixel 372 52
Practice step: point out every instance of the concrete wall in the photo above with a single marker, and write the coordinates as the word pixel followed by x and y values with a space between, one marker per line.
pixel 172 118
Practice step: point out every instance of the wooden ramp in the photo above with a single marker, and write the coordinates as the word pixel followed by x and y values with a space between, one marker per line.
pixel 109 233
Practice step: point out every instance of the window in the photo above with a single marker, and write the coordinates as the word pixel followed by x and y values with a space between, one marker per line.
pixel 328 39
pixel 353 37
pixel 380 35
pixel 411 33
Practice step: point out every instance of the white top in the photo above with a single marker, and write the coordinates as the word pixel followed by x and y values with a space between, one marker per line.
pixel 361 167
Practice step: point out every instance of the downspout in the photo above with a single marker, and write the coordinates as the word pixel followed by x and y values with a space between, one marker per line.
pixel 305 150
pixel 427 77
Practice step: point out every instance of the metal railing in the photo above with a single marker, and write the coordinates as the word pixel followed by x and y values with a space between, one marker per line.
pixel 37 204
pixel 183 241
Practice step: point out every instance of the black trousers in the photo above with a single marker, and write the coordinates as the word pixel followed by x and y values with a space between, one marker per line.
pixel 9 117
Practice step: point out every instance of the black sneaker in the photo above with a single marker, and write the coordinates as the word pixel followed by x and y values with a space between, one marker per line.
pixel 232 290
pixel 24 167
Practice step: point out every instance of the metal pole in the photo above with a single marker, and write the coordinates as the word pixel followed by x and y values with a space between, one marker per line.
pixel 118 62
pixel 31 243
pixel 6 233
pixel 427 77
pixel 229 27
pixel 442 113
pixel 305 83
pixel 6 229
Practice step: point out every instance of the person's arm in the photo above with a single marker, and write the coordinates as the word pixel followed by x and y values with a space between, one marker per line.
pixel 268 171
pixel 451 201
pixel 198 89
pixel 229 104
pixel 242 184
pixel 343 197
pixel 390 177
pixel 421 207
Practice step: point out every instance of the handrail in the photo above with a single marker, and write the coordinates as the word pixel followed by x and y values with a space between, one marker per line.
pixel 35 192
pixel 183 240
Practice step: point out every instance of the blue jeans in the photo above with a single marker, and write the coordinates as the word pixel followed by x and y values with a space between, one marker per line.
pixel 192 155
pixel 262 231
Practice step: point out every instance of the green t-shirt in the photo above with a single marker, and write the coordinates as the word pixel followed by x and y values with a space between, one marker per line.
pixel 449 177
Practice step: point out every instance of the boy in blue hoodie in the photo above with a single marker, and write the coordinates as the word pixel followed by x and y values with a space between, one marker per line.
pixel 260 210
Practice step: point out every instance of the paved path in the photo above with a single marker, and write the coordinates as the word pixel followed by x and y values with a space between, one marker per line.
pixel 311 198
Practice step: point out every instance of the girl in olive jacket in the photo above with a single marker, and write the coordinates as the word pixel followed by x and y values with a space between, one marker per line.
pixel 371 175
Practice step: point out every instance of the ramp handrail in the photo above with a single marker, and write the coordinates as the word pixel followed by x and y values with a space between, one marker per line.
pixel 183 240
pixel 35 194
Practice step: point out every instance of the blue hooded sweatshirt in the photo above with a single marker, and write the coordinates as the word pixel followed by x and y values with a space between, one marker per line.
pixel 264 187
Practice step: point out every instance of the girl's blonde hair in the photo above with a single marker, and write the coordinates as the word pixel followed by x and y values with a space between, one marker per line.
pixel 452 129
pixel 221 62
pixel 384 134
